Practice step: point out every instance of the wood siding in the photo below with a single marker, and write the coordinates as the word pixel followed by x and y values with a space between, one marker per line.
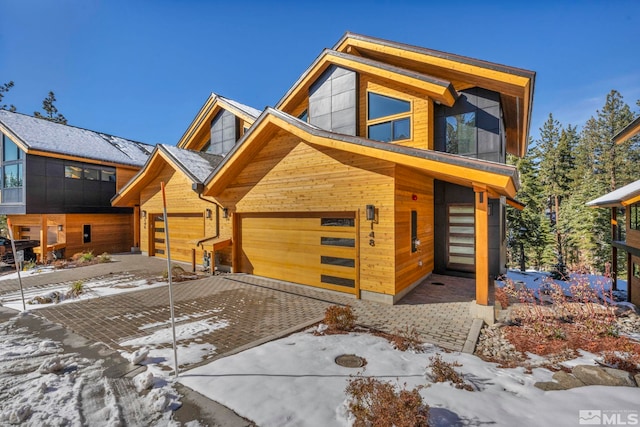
pixel 288 175
pixel 421 117
pixel 123 175
pixel 408 184
pixel 180 200
pixel 110 233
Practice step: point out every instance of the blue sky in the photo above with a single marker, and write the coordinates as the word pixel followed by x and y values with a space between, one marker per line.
pixel 142 69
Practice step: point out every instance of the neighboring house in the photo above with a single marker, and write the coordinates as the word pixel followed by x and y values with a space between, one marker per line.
pixel 58 181
pixel 382 164
pixel 194 221
pixel 627 198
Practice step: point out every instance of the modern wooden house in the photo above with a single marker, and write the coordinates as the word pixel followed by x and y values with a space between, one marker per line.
pixel 627 198
pixel 382 164
pixel 58 181
pixel 195 221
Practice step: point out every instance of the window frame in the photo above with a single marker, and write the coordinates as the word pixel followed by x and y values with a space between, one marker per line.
pixel 391 119
pixel 634 217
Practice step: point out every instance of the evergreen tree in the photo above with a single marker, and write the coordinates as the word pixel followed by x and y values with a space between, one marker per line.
pixel 51 112
pixel 4 88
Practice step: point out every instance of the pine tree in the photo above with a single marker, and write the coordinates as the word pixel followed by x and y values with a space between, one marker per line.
pixel 51 112
pixel 4 88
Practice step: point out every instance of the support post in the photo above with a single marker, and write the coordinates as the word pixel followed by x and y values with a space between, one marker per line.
pixel 614 250
pixel 482 244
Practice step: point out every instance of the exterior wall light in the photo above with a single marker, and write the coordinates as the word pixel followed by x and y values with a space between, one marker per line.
pixel 371 213
pixel 225 213
pixel 60 227
pixel 208 213
pixel 144 214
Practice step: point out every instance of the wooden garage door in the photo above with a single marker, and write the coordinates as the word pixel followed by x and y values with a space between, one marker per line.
pixel 184 230
pixel 318 249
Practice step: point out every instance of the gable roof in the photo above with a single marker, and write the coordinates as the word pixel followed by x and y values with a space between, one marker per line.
pixel 515 85
pixel 499 179
pixel 620 197
pixel 207 112
pixel 631 130
pixel 196 165
pixel 440 90
pixel 45 138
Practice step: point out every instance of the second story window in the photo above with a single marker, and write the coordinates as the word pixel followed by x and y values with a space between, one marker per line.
pixel 12 169
pixel 634 216
pixel 388 119
pixel 460 137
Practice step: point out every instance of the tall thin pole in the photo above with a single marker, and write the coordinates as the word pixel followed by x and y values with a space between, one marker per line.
pixel 170 275
pixel 15 261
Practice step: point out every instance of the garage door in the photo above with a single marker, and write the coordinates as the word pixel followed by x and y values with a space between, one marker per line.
pixel 184 230
pixel 318 249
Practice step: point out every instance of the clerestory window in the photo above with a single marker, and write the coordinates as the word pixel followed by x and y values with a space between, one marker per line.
pixel 388 119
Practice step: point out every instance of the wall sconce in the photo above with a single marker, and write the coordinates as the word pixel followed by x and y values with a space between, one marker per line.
pixel 371 213
pixel 225 212
pixel 144 214
pixel 60 227
pixel 208 213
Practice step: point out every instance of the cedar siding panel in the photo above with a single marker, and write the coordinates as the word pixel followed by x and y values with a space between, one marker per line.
pixel 289 175
pixel 421 117
pixel 409 184
pixel 187 216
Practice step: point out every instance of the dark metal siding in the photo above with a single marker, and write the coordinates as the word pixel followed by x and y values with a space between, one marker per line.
pixel 489 123
pixel 333 101
pixel 48 191
pixel 224 133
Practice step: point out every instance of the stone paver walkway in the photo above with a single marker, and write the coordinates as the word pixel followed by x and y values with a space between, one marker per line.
pixel 255 309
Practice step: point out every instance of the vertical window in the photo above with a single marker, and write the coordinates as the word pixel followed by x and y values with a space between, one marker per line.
pixel 86 233
pixel 460 135
pixel 414 231
pixel 10 151
pixel 304 116
pixel 388 119
pixel 12 176
pixel 634 216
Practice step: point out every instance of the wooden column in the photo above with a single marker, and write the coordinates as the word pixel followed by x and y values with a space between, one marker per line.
pixel 43 238
pixel 136 226
pixel 482 244
pixel 614 250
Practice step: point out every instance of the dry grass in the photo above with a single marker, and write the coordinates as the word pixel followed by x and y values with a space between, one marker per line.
pixel 339 319
pixel 381 404
pixel 443 372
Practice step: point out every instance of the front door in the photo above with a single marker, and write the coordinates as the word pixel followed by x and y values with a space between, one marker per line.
pixel 460 237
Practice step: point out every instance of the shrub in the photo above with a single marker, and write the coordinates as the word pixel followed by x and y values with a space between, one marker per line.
pixel 443 371
pixel 502 297
pixel 377 403
pixel 83 257
pixel 339 318
pixel 407 338
pixel 104 257
pixel 28 265
pixel 177 273
pixel 75 289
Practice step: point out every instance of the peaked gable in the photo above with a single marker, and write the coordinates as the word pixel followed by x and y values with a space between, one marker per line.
pixel 197 134
pixel 515 85
pixel 195 165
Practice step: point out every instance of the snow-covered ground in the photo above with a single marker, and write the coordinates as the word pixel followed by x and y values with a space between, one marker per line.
pixel 293 381
pixel 42 384
pixel 114 284
pixel 296 382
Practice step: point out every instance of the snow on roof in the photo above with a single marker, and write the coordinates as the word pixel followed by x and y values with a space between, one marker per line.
pixel 43 135
pixel 616 197
pixel 249 110
pixel 198 164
